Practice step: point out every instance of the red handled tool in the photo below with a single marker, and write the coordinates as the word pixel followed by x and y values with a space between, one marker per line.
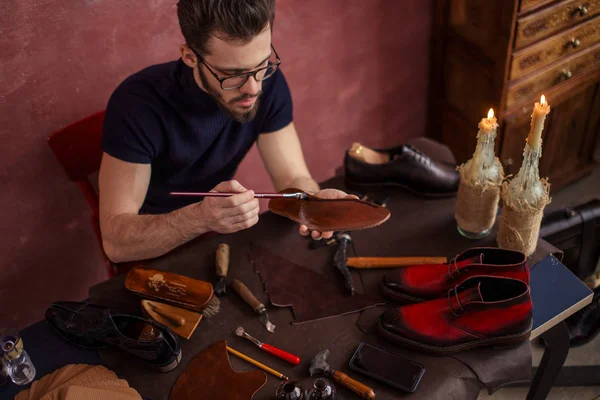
pixel 284 355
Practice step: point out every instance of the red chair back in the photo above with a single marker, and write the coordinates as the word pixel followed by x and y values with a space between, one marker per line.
pixel 77 148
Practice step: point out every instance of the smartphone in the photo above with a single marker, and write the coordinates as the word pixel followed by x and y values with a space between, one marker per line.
pixel 387 367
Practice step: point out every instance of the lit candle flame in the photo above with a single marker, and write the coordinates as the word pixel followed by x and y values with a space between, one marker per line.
pixel 543 100
pixel 491 113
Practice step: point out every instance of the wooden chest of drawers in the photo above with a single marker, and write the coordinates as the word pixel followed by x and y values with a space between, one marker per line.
pixel 506 53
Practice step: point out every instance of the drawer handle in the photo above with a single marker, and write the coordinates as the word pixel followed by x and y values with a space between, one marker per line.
pixel 566 74
pixel 581 10
pixel 574 43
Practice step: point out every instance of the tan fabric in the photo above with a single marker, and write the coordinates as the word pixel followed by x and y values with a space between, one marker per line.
pixel 80 382
pixel 476 205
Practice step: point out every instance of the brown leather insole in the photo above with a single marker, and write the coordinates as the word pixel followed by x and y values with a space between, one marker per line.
pixel 210 376
pixel 330 214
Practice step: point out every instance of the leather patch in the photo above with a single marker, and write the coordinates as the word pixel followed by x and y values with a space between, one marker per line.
pixel 310 295
pixel 210 376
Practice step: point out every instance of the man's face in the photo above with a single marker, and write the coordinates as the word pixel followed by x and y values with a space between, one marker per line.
pixel 227 59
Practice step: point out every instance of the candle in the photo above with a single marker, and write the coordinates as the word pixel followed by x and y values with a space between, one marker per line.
pixel 487 125
pixel 485 137
pixel 540 110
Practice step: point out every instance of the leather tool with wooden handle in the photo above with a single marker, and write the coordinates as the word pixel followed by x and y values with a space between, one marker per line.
pixel 392 262
pixel 319 365
pixel 253 302
pixel 359 388
pixel 175 319
pixel 181 321
pixel 222 266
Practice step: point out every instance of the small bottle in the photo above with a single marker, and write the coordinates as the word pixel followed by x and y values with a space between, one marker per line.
pixel 322 390
pixel 289 390
pixel 19 365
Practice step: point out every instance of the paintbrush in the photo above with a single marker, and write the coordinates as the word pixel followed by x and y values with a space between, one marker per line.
pixel 295 195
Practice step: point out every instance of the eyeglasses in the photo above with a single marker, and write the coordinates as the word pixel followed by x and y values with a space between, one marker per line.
pixel 239 80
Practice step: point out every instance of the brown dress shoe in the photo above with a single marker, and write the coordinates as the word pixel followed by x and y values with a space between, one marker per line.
pixel 401 167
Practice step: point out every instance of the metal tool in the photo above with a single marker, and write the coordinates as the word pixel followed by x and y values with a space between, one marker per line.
pixel 295 195
pixel 284 355
pixel 341 239
pixel 319 366
pixel 339 260
pixel 253 302
pixel 222 266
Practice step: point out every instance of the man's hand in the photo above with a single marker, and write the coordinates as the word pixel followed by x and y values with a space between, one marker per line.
pixel 229 214
pixel 325 194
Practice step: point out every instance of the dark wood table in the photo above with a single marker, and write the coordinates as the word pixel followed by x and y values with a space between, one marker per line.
pixel 417 227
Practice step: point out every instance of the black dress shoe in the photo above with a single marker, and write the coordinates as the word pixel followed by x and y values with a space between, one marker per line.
pixel 408 168
pixel 95 326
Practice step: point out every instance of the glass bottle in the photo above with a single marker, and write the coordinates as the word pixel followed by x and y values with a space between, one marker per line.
pixel 290 390
pixel 322 390
pixel 20 368
pixel 526 195
pixel 480 180
pixel 526 187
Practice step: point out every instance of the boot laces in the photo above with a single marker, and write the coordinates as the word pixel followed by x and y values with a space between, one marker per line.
pixel 455 289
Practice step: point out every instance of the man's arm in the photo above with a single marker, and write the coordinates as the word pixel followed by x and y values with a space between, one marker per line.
pixel 282 155
pixel 128 236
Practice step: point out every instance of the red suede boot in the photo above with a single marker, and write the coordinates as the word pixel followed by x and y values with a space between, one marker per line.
pixel 481 311
pixel 418 283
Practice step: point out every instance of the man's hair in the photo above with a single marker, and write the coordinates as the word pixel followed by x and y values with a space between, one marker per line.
pixel 231 20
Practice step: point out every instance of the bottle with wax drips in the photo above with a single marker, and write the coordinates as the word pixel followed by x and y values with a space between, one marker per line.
pixel 526 187
pixel 526 195
pixel 480 180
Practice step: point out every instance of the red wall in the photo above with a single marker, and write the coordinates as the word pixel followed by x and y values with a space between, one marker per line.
pixel 357 70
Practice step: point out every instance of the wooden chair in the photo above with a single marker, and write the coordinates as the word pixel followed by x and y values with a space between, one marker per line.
pixel 77 148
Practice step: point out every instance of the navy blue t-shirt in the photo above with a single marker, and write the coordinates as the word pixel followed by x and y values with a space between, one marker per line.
pixel 160 116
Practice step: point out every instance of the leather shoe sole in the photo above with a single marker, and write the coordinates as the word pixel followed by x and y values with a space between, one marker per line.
pixel 498 341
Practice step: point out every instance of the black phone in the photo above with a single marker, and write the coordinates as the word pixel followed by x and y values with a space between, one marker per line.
pixel 387 367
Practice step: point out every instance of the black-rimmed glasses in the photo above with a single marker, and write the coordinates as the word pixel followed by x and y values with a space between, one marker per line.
pixel 239 80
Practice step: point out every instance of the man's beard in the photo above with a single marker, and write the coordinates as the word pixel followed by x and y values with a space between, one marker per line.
pixel 235 115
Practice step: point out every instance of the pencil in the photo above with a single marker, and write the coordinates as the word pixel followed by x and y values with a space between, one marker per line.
pixel 259 365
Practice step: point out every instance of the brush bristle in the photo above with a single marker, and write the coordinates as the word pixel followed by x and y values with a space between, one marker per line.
pixel 212 309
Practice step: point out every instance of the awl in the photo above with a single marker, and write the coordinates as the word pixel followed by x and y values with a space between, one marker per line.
pixel 253 302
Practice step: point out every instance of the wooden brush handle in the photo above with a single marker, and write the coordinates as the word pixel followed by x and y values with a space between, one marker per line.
pixel 392 262
pixel 176 320
pixel 247 295
pixel 360 389
pixel 222 259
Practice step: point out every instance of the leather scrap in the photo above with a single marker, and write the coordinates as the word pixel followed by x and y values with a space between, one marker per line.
pixel 310 295
pixel 210 376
